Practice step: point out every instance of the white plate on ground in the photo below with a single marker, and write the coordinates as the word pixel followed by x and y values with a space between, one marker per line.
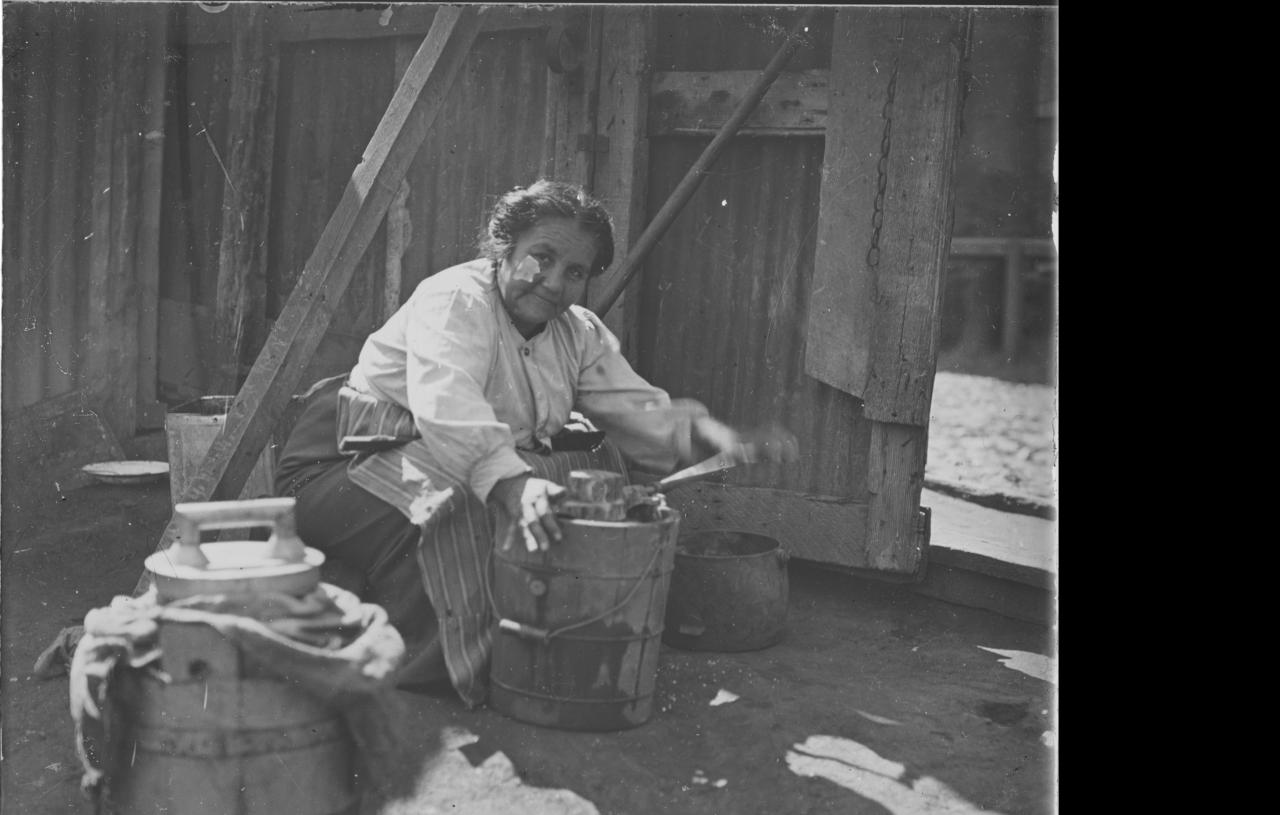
pixel 127 472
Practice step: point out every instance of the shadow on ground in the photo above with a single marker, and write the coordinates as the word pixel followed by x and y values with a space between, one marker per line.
pixel 878 701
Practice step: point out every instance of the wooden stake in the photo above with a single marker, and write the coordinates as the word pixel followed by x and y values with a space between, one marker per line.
pixel 306 315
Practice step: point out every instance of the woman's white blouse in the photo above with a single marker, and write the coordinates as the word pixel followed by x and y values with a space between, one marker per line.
pixel 478 390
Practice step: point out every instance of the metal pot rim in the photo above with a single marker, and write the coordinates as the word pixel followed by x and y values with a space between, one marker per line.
pixel 771 551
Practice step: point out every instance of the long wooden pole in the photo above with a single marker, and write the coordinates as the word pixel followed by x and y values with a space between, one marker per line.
pixel 150 411
pixel 305 318
pixel 693 178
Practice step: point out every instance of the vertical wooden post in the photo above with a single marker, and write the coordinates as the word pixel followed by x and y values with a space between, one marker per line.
pixel 32 107
pixel 884 237
pixel 126 176
pixel 622 174
pixel 399 222
pixel 570 141
pixel 150 411
pixel 66 230
pixel 101 357
pixel 240 318
pixel 1012 318
pixel 895 477
pixel 917 214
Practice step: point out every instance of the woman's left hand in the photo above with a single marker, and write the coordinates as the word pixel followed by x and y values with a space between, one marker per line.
pixel 530 504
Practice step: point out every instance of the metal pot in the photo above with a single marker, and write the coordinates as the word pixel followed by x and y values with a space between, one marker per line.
pixel 728 592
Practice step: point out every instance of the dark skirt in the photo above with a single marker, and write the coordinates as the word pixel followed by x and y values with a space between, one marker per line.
pixel 369 545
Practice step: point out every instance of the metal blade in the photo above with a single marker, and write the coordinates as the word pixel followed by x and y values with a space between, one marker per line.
pixel 718 462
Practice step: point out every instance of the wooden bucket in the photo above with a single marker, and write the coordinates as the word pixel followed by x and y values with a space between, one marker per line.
pixel 222 739
pixel 580 625
pixel 190 429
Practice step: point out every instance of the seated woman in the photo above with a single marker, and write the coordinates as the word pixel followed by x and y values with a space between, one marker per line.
pixel 456 405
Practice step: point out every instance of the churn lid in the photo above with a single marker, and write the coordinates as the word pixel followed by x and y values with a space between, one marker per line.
pixel 281 564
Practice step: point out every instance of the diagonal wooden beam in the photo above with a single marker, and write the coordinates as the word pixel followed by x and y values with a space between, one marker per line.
pixel 277 372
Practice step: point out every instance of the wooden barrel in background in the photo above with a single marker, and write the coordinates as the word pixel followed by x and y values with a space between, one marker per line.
pixel 597 676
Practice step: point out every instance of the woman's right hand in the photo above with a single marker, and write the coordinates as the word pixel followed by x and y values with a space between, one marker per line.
pixel 530 502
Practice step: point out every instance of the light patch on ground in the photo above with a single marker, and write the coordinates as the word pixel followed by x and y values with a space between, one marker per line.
pixel 1037 666
pixel 449 785
pixel 724 697
pixel 871 717
pixel 858 768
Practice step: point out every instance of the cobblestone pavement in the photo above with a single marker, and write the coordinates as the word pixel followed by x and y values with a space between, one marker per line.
pixel 993 440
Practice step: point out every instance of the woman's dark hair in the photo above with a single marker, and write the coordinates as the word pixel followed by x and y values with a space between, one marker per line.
pixel 524 207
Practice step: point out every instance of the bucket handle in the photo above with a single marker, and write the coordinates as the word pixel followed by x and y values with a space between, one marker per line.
pixel 541 634
pixel 278 513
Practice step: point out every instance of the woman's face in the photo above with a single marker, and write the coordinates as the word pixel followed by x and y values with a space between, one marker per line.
pixel 546 272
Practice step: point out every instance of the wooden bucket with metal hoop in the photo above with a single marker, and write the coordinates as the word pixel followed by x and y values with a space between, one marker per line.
pixel 222 737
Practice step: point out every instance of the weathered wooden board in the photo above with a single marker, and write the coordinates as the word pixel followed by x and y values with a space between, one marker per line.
pixel 103 286
pixel 622 174
pixel 332 96
pixel 120 386
pixel 570 148
pixel 399 222
pixel 488 137
pixel 697 172
pixel 191 217
pixel 917 216
pixel 64 213
pixel 974 589
pixel 814 527
pixel 31 325
pixel 277 372
pixel 886 206
pixel 697 103
pixel 303 22
pixel 239 313
pixel 841 303
pixel 724 298
pixel 895 476
pixel 150 410
pixel 1006 545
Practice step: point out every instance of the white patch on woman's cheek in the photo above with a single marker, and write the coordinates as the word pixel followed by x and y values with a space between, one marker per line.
pixel 526 269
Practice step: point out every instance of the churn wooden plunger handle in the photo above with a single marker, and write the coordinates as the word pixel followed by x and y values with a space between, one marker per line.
pixel 278 513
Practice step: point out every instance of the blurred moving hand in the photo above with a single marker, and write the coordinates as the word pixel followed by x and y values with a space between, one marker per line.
pixel 772 443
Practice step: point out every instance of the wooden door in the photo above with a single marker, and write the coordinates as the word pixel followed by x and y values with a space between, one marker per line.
pixel 764 299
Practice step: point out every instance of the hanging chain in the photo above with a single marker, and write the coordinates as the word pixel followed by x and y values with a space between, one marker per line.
pixel 882 166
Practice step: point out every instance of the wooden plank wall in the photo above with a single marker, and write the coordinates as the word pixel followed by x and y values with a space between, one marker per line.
pixel 487 139
pixel 74 120
pixel 332 95
pixel 725 293
pixel 191 213
pixel 69 311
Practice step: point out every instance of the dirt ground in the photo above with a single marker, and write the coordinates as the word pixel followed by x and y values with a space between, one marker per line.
pixel 878 700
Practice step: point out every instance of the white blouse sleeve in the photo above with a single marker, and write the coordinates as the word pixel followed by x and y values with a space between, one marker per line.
pixel 650 429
